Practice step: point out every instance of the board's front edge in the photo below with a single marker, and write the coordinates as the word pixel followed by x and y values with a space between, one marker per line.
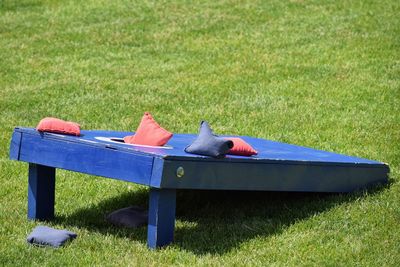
pixel 94 160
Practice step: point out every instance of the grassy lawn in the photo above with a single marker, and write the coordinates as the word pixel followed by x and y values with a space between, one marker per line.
pixel 324 74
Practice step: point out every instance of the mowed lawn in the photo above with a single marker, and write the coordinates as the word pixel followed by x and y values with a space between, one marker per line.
pixel 324 74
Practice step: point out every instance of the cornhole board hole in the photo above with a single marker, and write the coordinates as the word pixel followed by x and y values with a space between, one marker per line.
pixel 277 167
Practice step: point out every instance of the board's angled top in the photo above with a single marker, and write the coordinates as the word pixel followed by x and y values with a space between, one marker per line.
pixel 174 149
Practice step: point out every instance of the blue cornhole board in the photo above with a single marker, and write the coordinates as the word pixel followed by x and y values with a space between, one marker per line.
pixel 277 167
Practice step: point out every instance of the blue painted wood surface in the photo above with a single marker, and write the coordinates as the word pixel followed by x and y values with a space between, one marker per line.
pixel 41 192
pixel 85 157
pixel 160 231
pixel 268 150
pixel 269 176
pixel 277 167
pixel 15 145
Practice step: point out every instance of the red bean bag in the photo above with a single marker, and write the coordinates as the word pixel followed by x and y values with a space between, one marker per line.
pixel 149 133
pixel 241 147
pixel 54 125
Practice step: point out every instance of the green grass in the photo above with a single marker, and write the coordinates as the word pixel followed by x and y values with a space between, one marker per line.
pixel 324 74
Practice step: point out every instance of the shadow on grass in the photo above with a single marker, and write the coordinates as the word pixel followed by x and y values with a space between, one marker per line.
pixel 217 221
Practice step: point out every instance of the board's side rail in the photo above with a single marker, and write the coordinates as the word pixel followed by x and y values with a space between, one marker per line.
pixel 272 176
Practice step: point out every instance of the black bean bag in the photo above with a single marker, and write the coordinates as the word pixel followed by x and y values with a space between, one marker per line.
pixel 209 144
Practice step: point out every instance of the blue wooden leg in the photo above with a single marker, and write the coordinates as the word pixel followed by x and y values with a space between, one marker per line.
pixel 41 191
pixel 161 226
